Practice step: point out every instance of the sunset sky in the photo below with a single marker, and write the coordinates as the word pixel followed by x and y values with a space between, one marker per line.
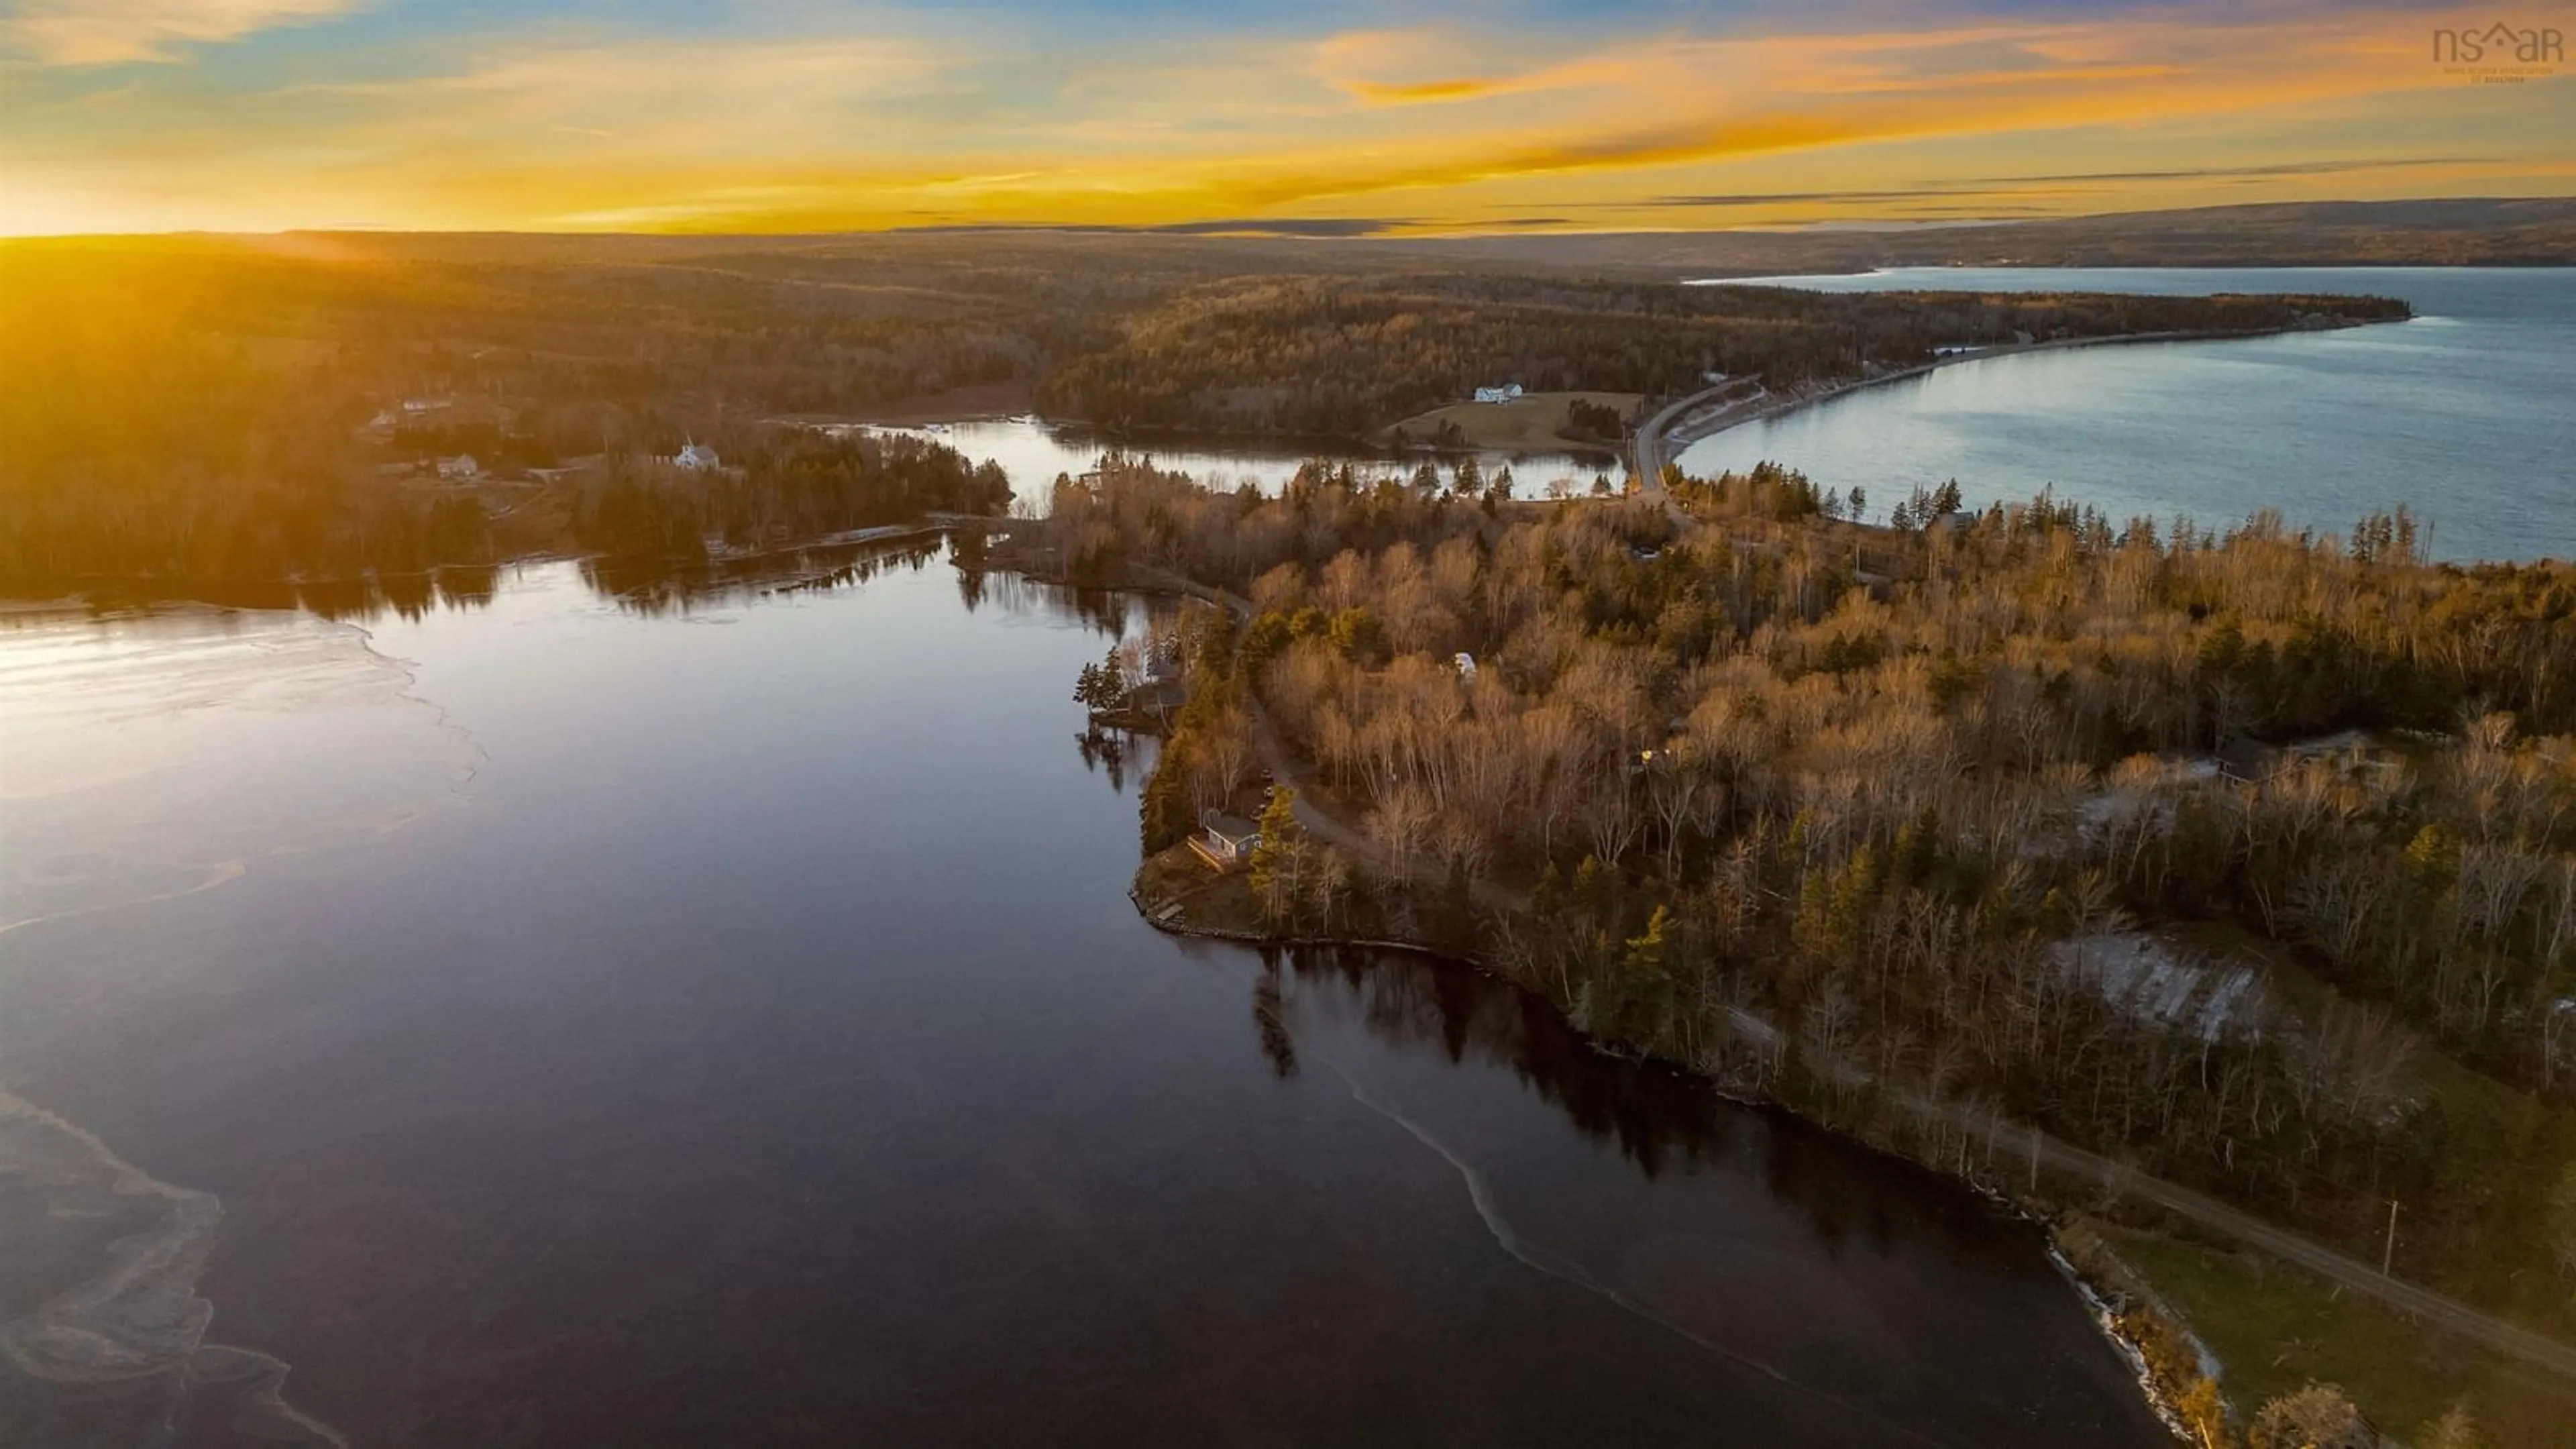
pixel 146 115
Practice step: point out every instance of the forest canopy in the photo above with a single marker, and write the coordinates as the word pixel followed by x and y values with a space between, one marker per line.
pixel 1342 357
pixel 1937 800
pixel 219 408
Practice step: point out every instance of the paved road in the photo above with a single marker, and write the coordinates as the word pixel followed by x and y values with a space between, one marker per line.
pixel 1646 452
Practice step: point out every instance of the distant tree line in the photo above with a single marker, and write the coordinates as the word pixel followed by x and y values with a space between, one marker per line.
pixel 198 407
pixel 1340 357
pixel 796 485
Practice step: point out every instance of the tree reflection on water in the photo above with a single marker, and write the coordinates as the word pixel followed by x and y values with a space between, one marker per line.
pixel 1661 1119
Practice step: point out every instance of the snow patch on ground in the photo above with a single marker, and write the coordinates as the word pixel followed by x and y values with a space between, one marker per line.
pixel 2096 812
pixel 2153 979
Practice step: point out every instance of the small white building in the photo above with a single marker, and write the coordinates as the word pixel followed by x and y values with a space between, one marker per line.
pixel 1225 841
pixel 697 457
pixel 1506 393
pixel 460 469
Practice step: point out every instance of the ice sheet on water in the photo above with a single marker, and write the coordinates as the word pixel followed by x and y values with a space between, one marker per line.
pixel 151 755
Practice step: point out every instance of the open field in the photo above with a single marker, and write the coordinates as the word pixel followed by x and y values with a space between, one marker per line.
pixel 1533 422
pixel 2274 1328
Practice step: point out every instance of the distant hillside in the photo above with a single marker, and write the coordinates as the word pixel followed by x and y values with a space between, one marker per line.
pixel 2475 231
pixel 2462 231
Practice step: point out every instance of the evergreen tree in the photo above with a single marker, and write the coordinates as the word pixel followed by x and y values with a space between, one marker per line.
pixel 1278 856
pixel 1165 806
pixel 1359 636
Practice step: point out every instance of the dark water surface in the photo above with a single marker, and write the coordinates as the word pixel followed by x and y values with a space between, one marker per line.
pixel 725 1024
pixel 2466 414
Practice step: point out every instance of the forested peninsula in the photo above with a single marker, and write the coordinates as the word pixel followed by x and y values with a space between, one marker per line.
pixel 1340 358
pixel 2245 858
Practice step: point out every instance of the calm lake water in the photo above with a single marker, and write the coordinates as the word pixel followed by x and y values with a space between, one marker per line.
pixel 2466 414
pixel 1034 451
pixel 721 1021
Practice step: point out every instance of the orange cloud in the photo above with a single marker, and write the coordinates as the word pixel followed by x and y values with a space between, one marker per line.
pixel 112 32
pixel 883 131
pixel 1398 93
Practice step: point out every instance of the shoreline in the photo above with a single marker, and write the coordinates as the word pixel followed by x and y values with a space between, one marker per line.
pixel 95 593
pixel 1660 441
pixel 1121 438
pixel 1594 1042
pixel 2064 1161
pixel 2105 1295
pixel 1941 1136
pixel 1375 445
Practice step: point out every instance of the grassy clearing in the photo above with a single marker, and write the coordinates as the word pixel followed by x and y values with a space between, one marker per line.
pixel 1529 423
pixel 2495 1151
pixel 1207 901
pixel 2274 1328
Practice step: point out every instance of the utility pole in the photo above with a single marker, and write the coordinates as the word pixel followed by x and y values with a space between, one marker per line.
pixel 2388 1255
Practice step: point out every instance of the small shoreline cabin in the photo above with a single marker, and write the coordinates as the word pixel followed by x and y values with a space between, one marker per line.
pixel 1225 841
